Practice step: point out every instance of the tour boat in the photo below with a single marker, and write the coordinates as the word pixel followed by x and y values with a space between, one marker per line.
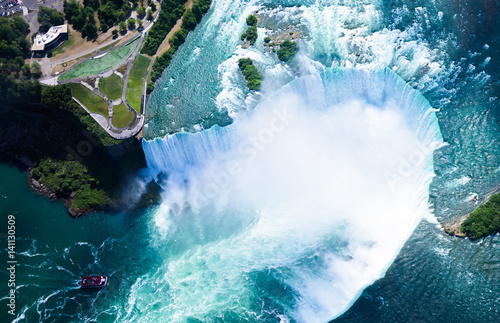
pixel 94 282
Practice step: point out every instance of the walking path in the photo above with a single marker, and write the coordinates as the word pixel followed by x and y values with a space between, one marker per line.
pixel 106 123
pixel 138 120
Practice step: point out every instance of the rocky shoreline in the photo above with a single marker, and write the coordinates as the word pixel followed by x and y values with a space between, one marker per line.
pixel 454 228
pixel 51 194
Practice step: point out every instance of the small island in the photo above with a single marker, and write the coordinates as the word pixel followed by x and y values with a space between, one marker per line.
pixel 482 222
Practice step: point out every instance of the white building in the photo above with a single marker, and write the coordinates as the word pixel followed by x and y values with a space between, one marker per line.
pixel 49 38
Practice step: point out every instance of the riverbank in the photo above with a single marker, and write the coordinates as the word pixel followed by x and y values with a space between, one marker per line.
pixel 66 162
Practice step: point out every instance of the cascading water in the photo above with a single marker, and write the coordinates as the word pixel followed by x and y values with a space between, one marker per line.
pixel 285 204
pixel 321 184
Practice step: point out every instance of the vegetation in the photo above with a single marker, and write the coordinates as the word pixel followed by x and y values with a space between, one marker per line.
pixel 173 10
pixel 485 220
pixel 131 23
pixel 89 99
pixel 123 26
pixel 252 20
pixel 95 66
pixel 141 11
pixel 122 116
pixel 251 74
pixel 49 17
pixel 15 76
pixel 16 93
pixel 111 86
pixel 149 87
pixel 60 98
pixel 14 47
pixel 81 16
pixel 67 176
pixel 109 13
pixel 190 19
pixel 251 33
pixel 136 77
pixel 287 50
pixel 267 40
pixel 67 43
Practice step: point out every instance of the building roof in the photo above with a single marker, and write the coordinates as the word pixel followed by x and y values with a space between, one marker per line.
pixel 49 37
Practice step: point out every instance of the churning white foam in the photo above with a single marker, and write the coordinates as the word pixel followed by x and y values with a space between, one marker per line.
pixel 324 181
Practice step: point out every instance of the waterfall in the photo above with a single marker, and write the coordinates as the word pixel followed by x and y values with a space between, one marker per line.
pixel 316 190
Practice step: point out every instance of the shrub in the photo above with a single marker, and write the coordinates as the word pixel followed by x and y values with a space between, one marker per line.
pixel 131 23
pixel 252 20
pixel 267 40
pixel 150 87
pixel 250 35
pixel 141 11
pixel 287 50
pixel 485 220
pixel 251 73
pixel 122 26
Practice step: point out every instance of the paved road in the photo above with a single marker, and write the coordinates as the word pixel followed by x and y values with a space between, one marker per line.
pixel 138 120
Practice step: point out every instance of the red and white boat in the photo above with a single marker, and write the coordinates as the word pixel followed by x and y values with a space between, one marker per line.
pixel 93 282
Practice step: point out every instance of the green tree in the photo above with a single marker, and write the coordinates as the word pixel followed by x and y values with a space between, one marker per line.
pixel 287 50
pixel 131 23
pixel 197 12
pixel 250 35
pixel 123 26
pixel 178 38
pixel 139 23
pixel 89 31
pixel 49 17
pixel 115 33
pixel 189 20
pixel 252 20
pixel 150 15
pixel 251 73
pixel 141 11
pixel 26 69
pixel 36 70
pixel 485 220
pixel 119 15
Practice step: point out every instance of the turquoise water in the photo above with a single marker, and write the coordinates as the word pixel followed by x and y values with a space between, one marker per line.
pixel 294 224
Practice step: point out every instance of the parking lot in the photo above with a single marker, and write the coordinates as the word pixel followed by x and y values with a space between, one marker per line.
pixel 34 4
pixel 10 7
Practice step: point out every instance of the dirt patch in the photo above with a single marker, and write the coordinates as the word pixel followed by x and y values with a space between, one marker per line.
pixel 454 227
pixel 165 45
pixel 78 45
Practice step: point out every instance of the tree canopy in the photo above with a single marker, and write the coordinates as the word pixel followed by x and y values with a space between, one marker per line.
pixel 287 50
pixel 485 220
pixel 49 17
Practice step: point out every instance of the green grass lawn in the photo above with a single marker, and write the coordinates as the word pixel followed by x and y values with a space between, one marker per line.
pixel 111 86
pixel 136 77
pixel 92 101
pixel 98 65
pixel 122 117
